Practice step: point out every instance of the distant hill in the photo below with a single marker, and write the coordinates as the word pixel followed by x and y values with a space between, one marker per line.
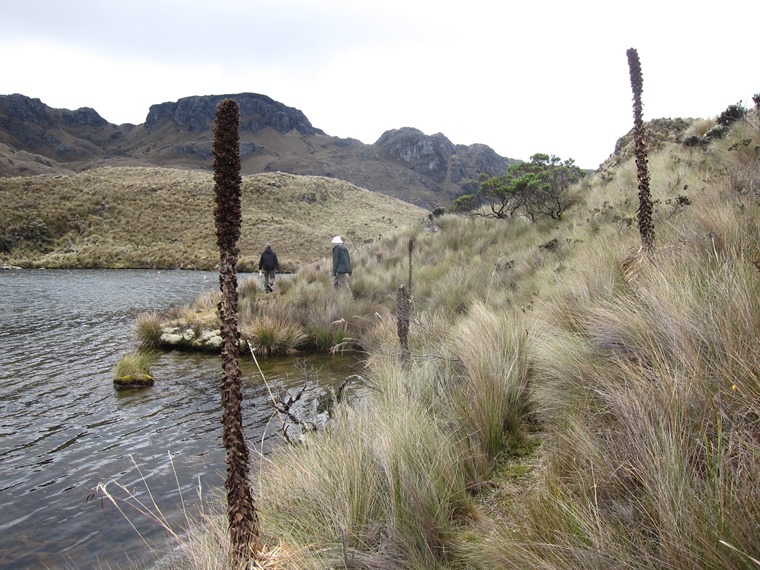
pixel 138 217
pixel 405 163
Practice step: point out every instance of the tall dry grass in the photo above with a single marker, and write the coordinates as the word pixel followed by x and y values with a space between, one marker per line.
pixel 493 400
pixel 650 389
pixel 640 376
pixel 382 489
pixel 644 380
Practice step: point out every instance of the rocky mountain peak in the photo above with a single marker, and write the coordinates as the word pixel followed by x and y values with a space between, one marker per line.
pixel 405 163
pixel 412 145
pixel 436 157
pixel 197 114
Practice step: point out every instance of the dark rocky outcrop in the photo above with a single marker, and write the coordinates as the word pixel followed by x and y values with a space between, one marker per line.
pixel 196 114
pixel 65 136
pixel 428 171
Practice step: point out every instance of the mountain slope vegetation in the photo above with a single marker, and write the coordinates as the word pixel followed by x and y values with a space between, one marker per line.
pixel 130 217
pixel 568 402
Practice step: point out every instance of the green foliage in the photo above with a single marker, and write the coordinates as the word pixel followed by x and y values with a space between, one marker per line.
pixel 732 114
pixel 463 204
pixel 6 243
pixel 533 189
pixel 692 140
pixel 717 132
pixel 321 336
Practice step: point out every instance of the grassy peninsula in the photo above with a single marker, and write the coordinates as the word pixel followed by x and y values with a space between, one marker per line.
pixel 568 404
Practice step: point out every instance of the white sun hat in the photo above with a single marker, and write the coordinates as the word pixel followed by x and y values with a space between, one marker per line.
pixel 336 239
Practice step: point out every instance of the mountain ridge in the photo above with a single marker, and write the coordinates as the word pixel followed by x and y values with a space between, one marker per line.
pixel 405 163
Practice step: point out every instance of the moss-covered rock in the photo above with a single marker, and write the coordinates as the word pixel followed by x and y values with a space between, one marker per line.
pixel 133 381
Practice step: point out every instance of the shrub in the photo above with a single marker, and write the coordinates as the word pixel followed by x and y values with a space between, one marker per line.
pixel 437 212
pixel 732 114
pixel 7 242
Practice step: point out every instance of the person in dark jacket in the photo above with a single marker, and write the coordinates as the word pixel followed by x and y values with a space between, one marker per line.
pixel 341 266
pixel 269 265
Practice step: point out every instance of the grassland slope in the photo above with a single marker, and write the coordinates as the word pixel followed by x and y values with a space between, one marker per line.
pixel 134 217
pixel 566 403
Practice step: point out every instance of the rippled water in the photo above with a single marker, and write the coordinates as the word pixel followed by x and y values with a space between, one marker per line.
pixel 64 429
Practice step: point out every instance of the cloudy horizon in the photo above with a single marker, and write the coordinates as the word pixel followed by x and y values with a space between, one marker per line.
pixel 522 79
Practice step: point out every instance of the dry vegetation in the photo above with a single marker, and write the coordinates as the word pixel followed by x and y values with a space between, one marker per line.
pixel 564 406
pixel 163 218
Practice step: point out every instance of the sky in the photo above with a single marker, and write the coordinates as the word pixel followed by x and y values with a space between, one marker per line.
pixel 523 78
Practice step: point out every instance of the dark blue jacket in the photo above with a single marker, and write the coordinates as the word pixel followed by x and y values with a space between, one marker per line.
pixel 268 260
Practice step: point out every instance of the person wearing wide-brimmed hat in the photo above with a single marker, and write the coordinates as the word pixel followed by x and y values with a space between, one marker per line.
pixel 341 266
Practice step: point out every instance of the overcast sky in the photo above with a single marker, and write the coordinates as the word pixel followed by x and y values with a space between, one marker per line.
pixel 539 76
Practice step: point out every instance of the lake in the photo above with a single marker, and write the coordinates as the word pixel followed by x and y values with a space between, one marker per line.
pixel 64 429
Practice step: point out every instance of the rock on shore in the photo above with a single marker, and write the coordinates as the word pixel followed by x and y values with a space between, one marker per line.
pixel 191 338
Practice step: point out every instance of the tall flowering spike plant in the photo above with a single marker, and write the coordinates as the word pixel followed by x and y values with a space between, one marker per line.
pixel 241 511
pixel 645 211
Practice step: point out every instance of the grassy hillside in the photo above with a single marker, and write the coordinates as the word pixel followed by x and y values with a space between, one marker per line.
pixel 568 403
pixel 163 218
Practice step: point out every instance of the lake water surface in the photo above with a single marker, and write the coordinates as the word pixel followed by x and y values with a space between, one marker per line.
pixel 64 429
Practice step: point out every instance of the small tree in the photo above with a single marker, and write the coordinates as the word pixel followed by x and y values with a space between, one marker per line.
pixel 464 204
pixel 732 114
pixel 549 178
pixel 533 189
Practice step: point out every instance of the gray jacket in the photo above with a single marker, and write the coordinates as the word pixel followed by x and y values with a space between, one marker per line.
pixel 341 260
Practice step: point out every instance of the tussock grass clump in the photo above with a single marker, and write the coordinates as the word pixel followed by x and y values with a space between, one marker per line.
pixel 380 489
pixel 269 337
pixel 203 545
pixel 493 398
pixel 200 315
pixel 454 291
pixel 135 364
pixel 327 316
pixel 148 329
pixel 699 128
pixel 652 438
